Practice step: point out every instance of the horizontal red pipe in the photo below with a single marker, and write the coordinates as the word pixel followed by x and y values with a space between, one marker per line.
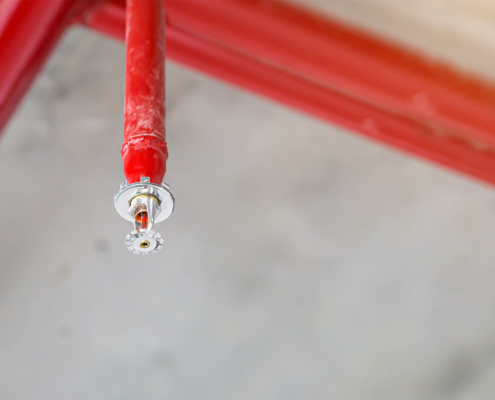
pixel 345 59
pixel 29 30
pixel 144 152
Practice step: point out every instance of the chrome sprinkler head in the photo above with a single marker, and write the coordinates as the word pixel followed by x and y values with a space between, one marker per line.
pixel 144 203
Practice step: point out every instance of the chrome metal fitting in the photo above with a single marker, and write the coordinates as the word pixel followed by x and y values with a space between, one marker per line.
pixel 144 203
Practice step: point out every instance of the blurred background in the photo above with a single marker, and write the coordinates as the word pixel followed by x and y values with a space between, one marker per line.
pixel 301 262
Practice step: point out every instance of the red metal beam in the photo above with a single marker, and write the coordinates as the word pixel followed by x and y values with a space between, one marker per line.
pixel 144 152
pixel 334 72
pixel 29 30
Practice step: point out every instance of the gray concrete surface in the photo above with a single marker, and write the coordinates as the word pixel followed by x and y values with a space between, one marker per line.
pixel 301 262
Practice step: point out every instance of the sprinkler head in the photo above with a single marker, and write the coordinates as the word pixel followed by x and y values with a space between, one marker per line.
pixel 144 204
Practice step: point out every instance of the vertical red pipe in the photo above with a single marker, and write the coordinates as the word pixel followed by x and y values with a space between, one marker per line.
pixel 144 152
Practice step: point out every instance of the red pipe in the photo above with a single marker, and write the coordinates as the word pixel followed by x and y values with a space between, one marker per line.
pixel 345 59
pixel 29 30
pixel 409 134
pixel 144 152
